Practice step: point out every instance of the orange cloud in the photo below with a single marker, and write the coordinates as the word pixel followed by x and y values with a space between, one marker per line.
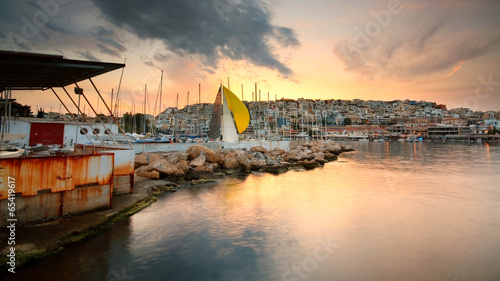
pixel 455 69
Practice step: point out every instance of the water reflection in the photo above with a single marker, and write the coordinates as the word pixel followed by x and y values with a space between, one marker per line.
pixel 393 211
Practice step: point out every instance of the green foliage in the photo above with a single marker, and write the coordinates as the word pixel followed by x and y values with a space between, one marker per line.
pixel 347 121
pixel 17 110
pixel 135 123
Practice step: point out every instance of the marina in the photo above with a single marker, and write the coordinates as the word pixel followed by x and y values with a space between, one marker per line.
pixel 249 140
pixel 412 208
pixel 73 166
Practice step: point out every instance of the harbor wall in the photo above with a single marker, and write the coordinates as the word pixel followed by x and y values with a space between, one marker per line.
pixel 54 186
pixel 123 165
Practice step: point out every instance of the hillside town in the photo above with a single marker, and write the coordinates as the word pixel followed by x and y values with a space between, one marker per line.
pixel 355 119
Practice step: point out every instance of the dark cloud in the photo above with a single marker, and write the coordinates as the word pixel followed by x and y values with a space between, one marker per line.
pixel 160 57
pixel 286 36
pixel 87 55
pixel 428 48
pixel 213 29
pixel 109 42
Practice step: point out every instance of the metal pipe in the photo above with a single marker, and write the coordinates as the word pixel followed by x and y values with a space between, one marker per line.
pixel 70 114
pixel 91 107
pixel 80 112
pixel 114 118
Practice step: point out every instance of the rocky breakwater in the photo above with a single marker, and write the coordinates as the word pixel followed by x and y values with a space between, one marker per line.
pixel 200 164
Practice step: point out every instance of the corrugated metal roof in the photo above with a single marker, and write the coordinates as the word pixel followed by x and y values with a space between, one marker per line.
pixel 29 71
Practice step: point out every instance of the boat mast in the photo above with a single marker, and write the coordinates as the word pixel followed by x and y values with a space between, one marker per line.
pixel 161 90
pixel 199 108
pixel 144 111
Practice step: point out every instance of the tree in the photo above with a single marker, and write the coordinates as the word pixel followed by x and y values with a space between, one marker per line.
pixel 135 123
pixel 17 110
pixel 347 121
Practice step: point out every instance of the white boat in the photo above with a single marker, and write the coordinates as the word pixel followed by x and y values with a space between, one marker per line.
pixel 10 151
pixel 119 138
pixel 414 139
pixel 363 140
pixel 7 150
pixel 222 126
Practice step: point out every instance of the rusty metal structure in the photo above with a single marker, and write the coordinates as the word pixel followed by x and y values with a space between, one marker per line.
pixel 49 187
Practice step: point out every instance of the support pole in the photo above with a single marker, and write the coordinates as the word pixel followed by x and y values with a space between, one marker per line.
pixel 109 110
pixel 79 111
pixel 91 107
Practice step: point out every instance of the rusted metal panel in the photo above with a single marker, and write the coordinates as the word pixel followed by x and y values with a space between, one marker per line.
pixel 124 158
pixel 57 173
pixel 54 205
pixel 123 184
pixel 33 208
pixel 86 199
pixel 123 164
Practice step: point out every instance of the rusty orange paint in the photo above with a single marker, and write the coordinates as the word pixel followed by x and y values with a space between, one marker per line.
pixel 58 173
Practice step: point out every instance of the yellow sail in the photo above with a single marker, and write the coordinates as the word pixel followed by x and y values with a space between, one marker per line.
pixel 240 111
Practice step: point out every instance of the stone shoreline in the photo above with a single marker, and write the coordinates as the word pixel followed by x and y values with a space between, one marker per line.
pixel 199 163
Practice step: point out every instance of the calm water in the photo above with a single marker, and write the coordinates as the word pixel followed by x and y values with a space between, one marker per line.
pixel 389 211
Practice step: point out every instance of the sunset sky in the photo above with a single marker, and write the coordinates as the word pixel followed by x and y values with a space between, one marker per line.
pixel 442 51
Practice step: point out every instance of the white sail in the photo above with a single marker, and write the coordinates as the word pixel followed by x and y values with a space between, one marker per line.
pixel 228 130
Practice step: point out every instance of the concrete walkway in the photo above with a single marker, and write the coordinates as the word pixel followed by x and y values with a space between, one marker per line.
pixel 38 240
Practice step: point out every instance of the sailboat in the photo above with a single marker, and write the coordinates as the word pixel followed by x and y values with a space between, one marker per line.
pixel 222 124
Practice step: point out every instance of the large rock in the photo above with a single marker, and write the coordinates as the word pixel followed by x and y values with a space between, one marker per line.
pixel 277 153
pixel 145 159
pixel 175 157
pixel 258 156
pixel 195 150
pixel 346 148
pixel 257 164
pixel 230 162
pixel 244 162
pixel 301 155
pixel 182 167
pixel 150 175
pixel 319 156
pixel 220 157
pixel 330 156
pixel 212 166
pixel 199 173
pixel 260 149
pixel 309 164
pixel 181 171
pixel 198 161
pixel 141 169
pixel 163 167
pixel 277 168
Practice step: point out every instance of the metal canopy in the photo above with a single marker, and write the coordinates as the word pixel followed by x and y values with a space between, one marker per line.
pixel 29 71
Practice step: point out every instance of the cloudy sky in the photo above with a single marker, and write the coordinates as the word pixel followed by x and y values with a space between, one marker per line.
pixel 444 51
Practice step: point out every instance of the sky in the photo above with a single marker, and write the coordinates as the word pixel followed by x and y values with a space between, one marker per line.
pixel 445 51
